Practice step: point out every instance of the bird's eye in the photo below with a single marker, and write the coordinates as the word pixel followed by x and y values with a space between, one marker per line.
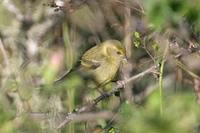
pixel 119 53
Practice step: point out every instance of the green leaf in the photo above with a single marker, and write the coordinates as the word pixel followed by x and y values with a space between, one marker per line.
pixel 137 39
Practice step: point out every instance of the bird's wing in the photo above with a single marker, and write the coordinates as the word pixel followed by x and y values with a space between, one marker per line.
pixel 90 64
pixel 92 59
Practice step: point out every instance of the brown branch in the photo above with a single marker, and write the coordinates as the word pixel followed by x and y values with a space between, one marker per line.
pixel 126 4
pixel 93 116
pixel 126 70
pixel 70 116
pixel 186 69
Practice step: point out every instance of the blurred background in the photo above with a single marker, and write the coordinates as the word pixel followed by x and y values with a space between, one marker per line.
pixel 41 40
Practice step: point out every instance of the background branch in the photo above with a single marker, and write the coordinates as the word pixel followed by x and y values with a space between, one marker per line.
pixel 5 55
pixel 9 5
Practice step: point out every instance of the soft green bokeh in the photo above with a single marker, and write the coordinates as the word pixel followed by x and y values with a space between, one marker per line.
pixel 180 114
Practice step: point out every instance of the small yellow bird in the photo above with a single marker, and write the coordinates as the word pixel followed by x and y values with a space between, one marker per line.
pixel 102 61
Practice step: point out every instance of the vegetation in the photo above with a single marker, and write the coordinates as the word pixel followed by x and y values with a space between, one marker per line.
pixel 157 91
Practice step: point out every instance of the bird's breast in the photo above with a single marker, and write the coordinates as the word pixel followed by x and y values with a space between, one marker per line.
pixel 106 72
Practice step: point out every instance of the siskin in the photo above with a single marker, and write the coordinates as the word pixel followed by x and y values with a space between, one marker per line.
pixel 102 61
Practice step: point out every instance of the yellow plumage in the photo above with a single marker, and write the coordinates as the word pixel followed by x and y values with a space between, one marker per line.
pixel 103 60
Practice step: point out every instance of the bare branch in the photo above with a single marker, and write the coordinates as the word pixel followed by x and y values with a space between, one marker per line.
pixel 186 69
pixel 87 117
pixel 70 116
pixel 126 4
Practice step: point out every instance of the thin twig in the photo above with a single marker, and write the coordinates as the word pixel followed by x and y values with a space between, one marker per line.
pixel 141 10
pixel 92 116
pixel 70 116
pixel 186 69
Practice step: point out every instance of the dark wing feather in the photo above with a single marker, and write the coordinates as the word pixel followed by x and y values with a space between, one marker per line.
pixel 90 64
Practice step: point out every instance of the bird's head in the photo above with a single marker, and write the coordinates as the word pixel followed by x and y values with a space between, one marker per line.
pixel 113 49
